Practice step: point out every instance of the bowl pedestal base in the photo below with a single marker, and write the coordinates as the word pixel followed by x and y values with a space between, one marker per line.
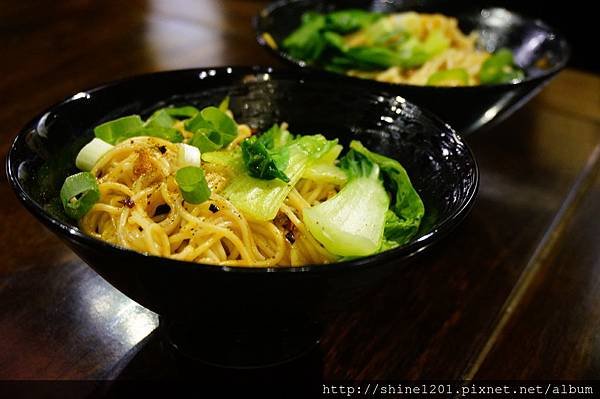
pixel 237 348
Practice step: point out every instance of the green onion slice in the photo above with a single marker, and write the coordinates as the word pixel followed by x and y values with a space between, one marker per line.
pixel 224 105
pixel 192 184
pixel 185 112
pixel 79 193
pixel 119 129
pixel 449 77
pixel 91 153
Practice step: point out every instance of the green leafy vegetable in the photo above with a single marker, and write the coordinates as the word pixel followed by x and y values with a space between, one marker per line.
pixel 407 205
pixel 119 129
pixel 449 77
pixel 345 21
pixel 192 184
pixel 79 193
pixel 275 137
pixel 232 159
pixel 352 222
pixel 262 163
pixel 306 43
pixel 261 199
pixel 500 68
pixel 322 172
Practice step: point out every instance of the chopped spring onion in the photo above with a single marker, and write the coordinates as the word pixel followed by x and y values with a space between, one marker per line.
pixel 182 112
pixel 500 68
pixel 449 77
pixel 224 105
pixel 188 155
pixel 79 193
pixel 161 118
pixel 165 133
pixel 119 129
pixel 91 153
pixel 192 184
pixel 213 129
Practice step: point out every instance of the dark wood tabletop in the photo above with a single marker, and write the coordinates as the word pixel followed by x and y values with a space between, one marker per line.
pixel 513 293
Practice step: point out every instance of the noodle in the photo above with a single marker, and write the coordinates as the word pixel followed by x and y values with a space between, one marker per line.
pixel 142 208
pixel 462 52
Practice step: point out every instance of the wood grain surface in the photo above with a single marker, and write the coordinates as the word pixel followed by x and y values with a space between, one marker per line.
pixel 512 293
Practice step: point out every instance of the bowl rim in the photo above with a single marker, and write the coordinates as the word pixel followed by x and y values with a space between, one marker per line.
pixel 283 55
pixel 71 232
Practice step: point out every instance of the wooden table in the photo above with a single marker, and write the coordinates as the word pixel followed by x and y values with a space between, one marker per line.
pixel 513 293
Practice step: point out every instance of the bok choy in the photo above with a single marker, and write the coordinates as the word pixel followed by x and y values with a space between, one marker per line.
pixel 359 220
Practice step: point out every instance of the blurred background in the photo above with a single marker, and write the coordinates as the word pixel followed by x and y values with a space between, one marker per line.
pixel 574 20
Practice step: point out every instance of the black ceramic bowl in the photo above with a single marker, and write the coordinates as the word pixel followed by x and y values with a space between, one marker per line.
pixel 464 108
pixel 233 315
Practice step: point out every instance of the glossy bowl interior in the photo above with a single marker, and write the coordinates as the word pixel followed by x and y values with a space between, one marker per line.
pixel 234 305
pixel 466 108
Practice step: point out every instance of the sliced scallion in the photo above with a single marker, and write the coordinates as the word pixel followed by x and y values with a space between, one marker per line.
pixel 91 153
pixel 188 155
pixel 192 184
pixel 79 193
pixel 119 129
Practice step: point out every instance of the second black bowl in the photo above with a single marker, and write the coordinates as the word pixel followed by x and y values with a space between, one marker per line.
pixel 233 315
pixel 467 109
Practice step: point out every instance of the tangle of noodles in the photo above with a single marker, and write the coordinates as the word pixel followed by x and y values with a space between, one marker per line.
pixel 141 208
pixel 461 53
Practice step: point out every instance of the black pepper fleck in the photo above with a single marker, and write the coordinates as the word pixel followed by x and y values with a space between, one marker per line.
pixel 128 202
pixel 290 237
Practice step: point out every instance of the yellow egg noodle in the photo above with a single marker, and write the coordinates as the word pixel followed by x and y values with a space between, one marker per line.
pixel 142 208
pixel 461 53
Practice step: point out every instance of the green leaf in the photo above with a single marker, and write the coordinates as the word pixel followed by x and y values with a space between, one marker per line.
pixel 261 199
pixel 357 165
pixel 119 129
pixel 396 230
pixel 323 172
pixel 229 158
pixel 373 57
pixel 79 193
pixel 407 204
pixel 336 41
pixel 306 42
pixel 192 184
pixel 345 21
pixel 262 163
pixel 352 222
pixel 275 137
